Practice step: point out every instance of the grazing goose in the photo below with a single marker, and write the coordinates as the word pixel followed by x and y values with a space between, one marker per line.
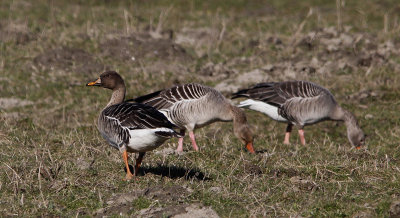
pixel 130 127
pixel 299 103
pixel 192 106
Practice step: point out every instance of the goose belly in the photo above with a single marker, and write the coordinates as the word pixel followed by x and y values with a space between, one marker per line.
pixel 269 110
pixel 142 140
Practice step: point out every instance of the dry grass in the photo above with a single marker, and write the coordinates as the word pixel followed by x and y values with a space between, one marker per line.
pixel 53 161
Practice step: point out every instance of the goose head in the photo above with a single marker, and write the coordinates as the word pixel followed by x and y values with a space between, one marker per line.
pixel 241 128
pixel 109 80
pixel 244 133
pixel 356 136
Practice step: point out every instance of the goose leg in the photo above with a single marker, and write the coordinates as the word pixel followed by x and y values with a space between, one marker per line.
pixel 128 171
pixel 180 142
pixel 191 134
pixel 302 139
pixel 180 145
pixel 287 134
pixel 139 162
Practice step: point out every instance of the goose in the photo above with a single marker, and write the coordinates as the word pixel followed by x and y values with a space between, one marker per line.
pixel 130 127
pixel 192 106
pixel 299 103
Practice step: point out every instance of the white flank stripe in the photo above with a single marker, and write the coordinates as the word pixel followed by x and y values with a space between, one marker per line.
pixel 262 107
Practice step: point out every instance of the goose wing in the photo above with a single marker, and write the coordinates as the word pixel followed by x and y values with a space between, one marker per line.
pixel 265 92
pixel 120 118
pixel 278 93
pixel 164 99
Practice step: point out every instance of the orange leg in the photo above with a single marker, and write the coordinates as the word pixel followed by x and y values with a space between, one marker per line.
pixel 287 134
pixel 139 162
pixel 129 175
pixel 191 134
pixel 302 139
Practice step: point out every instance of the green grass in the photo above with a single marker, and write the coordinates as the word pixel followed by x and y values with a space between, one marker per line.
pixel 53 161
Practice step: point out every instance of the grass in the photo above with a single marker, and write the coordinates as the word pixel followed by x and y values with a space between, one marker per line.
pixel 53 161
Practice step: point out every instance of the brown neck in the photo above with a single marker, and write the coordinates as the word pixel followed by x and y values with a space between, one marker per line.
pixel 240 126
pixel 118 96
pixel 238 116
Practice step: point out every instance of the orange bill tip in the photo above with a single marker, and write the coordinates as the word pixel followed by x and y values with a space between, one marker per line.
pixel 250 148
pixel 94 83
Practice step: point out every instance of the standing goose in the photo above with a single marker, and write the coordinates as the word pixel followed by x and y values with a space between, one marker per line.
pixel 130 127
pixel 192 106
pixel 299 103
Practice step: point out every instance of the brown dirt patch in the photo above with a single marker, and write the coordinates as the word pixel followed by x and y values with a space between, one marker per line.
pixel 250 168
pixel 290 172
pixel 68 59
pixel 395 209
pixel 179 211
pixel 143 46
pixel 122 203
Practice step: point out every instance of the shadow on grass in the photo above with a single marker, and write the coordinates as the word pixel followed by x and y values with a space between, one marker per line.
pixel 262 151
pixel 172 172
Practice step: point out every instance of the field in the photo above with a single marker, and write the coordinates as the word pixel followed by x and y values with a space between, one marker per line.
pixel 53 161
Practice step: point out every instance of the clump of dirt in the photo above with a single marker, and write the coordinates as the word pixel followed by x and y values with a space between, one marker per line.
pixel 196 210
pixel 172 196
pixel 303 184
pixel 168 211
pixel 250 168
pixel 179 211
pixel 394 210
pixel 362 215
pixel 143 46
pixel 68 59
pixel 166 194
pixel 290 172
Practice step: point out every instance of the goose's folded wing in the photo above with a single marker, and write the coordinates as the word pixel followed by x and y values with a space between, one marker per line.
pixel 298 89
pixel 265 92
pixel 130 116
pixel 164 99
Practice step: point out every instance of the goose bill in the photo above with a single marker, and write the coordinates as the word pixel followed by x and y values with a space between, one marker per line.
pixel 250 147
pixel 95 83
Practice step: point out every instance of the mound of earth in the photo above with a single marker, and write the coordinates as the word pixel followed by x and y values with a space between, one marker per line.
pixel 68 60
pixel 143 46
pixel 172 197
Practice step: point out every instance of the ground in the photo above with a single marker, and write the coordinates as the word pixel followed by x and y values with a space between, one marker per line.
pixel 53 161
